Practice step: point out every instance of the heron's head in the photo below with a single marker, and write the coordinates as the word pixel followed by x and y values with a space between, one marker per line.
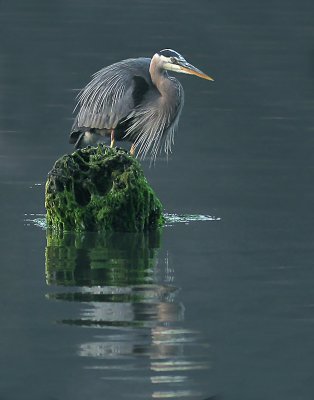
pixel 170 60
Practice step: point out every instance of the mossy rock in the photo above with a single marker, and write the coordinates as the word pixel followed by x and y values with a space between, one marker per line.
pixel 100 189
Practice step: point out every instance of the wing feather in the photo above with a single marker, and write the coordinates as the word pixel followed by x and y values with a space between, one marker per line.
pixel 153 127
pixel 108 99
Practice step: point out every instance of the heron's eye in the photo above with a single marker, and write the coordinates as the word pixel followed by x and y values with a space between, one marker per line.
pixel 173 60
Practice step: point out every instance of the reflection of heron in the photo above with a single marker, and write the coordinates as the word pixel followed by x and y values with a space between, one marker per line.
pixel 134 100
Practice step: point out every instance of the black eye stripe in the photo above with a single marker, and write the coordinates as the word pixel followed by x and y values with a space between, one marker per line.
pixel 169 53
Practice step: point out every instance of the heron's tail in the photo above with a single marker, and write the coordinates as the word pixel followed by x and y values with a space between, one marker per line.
pixel 83 139
pixel 74 137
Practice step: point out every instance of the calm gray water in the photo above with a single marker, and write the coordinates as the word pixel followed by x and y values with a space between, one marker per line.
pixel 218 309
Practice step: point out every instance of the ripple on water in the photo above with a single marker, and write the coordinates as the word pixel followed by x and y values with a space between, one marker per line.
pixel 124 295
pixel 172 219
pixel 39 220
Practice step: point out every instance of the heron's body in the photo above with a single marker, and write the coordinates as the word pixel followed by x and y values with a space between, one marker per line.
pixel 133 100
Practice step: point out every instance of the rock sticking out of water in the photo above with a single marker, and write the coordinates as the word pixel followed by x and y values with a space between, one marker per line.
pixel 99 188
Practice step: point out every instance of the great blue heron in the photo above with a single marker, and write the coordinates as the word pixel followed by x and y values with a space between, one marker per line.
pixel 134 100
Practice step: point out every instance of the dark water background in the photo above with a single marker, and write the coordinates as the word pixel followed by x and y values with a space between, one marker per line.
pixel 217 308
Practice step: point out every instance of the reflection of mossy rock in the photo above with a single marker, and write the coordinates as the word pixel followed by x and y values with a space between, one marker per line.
pixel 99 188
pixel 93 259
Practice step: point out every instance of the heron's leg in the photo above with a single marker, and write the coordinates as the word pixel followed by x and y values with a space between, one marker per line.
pixel 113 141
pixel 132 150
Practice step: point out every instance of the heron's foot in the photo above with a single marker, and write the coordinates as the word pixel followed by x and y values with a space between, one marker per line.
pixel 132 150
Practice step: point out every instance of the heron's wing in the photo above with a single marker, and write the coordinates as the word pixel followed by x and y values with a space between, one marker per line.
pixel 154 123
pixel 112 94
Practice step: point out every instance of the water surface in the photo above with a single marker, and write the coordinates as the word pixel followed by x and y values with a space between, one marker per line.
pixel 217 308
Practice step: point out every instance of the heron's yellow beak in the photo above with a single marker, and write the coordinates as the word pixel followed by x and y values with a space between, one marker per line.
pixel 182 66
pixel 191 70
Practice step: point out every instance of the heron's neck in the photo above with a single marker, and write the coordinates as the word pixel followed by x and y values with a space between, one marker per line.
pixel 160 79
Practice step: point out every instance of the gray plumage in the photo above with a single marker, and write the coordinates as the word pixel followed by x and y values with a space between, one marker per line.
pixel 133 100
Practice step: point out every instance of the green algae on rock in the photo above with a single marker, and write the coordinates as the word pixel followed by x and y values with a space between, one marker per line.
pixel 99 188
